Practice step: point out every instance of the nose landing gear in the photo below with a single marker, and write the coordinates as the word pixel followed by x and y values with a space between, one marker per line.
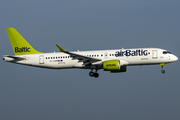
pixel 162 65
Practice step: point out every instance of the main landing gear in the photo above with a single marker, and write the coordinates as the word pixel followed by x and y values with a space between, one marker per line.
pixel 93 74
pixel 162 65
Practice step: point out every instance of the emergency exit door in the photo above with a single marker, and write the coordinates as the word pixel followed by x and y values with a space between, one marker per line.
pixel 106 55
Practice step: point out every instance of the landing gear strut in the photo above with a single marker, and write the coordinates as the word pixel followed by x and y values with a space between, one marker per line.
pixel 93 74
pixel 162 65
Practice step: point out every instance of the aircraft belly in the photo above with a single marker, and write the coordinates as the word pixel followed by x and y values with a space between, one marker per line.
pixel 144 60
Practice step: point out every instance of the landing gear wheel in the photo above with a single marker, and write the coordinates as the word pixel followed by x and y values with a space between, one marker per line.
pixel 91 74
pixel 96 75
pixel 162 71
pixel 162 65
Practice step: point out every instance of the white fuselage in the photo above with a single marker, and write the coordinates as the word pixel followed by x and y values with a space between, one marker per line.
pixel 59 60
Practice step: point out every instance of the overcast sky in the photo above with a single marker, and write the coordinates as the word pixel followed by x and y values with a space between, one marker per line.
pixel 142 93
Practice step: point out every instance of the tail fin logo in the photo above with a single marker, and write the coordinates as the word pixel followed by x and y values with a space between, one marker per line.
pixel 23 49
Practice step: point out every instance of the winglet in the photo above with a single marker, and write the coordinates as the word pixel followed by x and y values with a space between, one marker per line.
pixel 60 48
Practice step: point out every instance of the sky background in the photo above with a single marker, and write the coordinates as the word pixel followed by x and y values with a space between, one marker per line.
pixel 142 93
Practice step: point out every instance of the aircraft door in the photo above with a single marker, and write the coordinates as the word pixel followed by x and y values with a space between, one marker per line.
pixel 154 54
pixel 41 59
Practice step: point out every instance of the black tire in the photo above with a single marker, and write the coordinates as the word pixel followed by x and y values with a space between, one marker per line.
pixel 91 74
pixel 96 75
pixel 162 71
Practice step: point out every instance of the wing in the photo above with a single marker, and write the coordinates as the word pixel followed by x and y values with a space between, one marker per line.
pixel 82 58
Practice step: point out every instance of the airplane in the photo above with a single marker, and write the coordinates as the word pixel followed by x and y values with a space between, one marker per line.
pixel 114 61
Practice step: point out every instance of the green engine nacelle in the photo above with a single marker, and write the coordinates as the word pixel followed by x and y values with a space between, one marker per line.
pixel 113 66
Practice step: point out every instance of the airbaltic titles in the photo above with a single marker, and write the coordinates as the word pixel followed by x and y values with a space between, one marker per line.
pixel 139 52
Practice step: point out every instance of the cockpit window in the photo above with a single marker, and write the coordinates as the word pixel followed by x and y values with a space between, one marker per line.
pixel 169 52
pixel 166 52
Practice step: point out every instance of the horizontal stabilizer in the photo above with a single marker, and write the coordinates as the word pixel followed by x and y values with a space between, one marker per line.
pixel 14 58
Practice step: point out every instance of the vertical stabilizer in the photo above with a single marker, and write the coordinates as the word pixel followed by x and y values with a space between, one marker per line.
pixel 19 44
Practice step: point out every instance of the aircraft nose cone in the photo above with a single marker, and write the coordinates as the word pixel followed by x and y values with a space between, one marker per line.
pixel 174 58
